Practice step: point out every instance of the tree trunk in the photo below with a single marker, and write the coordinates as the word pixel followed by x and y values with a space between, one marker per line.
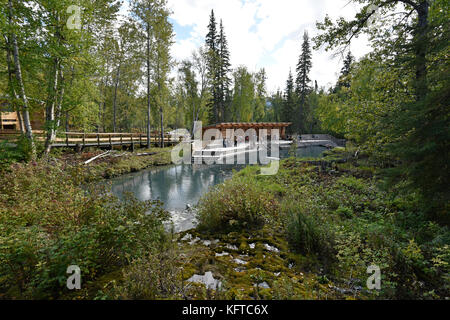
pixel 193 116
pixel 13 93
pixel 18 71
pixel 50 107
pixel 53 95
pixel 420 49
pixel 115 99
pixel 162 127
pixel 148 89
pixel 67 121
pixel 60 101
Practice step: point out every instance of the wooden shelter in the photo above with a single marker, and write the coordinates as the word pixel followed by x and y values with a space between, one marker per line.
pixel 269 126
pixel 9 119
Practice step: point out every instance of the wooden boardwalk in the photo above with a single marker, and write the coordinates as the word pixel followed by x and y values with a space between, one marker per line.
pixel 81 140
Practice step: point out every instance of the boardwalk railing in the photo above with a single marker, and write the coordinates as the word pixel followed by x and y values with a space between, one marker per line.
pixel 83 139
pixel 312 137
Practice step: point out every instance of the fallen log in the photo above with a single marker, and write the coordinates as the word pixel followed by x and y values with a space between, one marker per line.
pixel 97 157
pixel 146 154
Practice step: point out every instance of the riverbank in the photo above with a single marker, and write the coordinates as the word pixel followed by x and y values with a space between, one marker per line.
pixel 309 232
pixel 114 164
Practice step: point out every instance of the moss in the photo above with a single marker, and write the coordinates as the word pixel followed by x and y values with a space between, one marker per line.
pixel 127 164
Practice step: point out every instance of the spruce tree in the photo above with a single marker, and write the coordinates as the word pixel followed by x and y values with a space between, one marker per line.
pixel 303 87
pixel 224 80
pixel 289 101
pixel 212 44
pixel 344 80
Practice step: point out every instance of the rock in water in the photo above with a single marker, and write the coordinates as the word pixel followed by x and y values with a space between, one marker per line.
pixel 208 280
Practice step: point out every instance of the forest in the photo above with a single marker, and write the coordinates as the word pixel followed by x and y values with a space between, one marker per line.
pixel 87 68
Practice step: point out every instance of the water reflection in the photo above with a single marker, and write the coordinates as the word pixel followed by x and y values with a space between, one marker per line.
pixel 180 185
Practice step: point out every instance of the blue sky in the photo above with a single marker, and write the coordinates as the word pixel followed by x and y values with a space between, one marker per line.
pixel 263 33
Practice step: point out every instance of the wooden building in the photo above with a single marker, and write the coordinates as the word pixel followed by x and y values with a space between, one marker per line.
pixel 269 126
pixel 9 119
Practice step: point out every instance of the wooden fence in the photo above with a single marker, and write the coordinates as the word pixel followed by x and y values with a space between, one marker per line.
pixel 83 139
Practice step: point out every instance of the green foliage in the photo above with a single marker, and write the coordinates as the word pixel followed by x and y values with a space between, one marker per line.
pixel 18 151
pixel 153 276
pixel 48 222
pixel 344 224
pixel 244 95
pixel 237 204
pixel 10 154
pixel 396 107
pixel 305 232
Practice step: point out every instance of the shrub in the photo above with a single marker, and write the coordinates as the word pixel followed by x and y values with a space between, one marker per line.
pixel 238 203
pixel 48 222
pixel 10 154
pixel 306 233
pixel 153 276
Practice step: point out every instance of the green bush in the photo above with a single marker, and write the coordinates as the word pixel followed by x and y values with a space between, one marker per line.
pixel 306 233
pixel 10 154
pixel 238 203
pixel 153 276
pixel 48 222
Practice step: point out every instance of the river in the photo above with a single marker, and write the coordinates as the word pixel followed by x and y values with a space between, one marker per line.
pixel 181 187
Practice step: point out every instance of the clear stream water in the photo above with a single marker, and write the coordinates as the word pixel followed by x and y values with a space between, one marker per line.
pixel 181 187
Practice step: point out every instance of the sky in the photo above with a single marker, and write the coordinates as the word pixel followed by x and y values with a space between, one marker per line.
pixel 263 34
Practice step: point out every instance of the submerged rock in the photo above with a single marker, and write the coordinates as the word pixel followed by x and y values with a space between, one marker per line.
pixel 239 261
pixel 194 241
pixel 271 249
pixel 209 242
pixel 182 220
pixel 232 247
pixel 207 279
pixel 222 254
pixel 187 237
pixel 263 285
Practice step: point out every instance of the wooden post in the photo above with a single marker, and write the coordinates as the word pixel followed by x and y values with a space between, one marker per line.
pixel 84 138
pixel 140 140
pixel 110 141
pixel 67 139
pixel 98 140
pixel 121 140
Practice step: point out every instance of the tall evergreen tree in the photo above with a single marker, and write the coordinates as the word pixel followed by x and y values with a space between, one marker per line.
pixel 302 82
pixel 289 101
pixel 224 70
pixel 212 44
pixel 344 80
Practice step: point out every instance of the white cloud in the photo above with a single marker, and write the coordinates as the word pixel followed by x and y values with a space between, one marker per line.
pixel 265 33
